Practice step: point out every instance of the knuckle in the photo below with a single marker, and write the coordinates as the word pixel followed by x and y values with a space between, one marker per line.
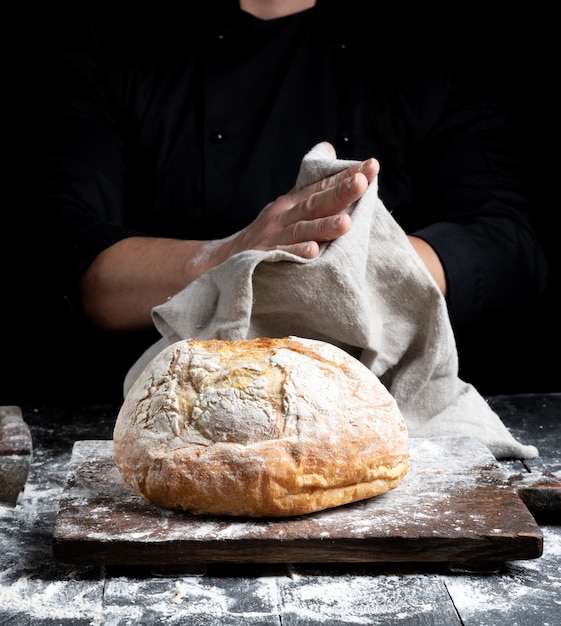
pixel 309 204
pixel 296 231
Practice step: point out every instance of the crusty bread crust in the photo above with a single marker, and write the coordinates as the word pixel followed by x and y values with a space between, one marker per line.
pixel 259 428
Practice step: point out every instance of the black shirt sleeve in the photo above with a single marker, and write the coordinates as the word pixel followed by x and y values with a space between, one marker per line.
pixel 131 148
pixel 485 235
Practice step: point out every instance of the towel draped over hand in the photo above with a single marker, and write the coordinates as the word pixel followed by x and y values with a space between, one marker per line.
pixel 367 292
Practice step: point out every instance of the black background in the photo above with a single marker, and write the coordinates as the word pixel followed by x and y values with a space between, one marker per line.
pixel 517 48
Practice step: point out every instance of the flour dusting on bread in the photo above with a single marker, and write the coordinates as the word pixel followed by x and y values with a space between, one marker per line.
pixel 262 427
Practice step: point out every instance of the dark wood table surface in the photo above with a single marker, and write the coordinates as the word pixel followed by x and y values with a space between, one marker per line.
pixel 35 589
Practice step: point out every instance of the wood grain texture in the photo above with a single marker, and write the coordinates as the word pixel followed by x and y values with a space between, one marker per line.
pixel 454 506
pixel 36 590
pixel 15 453
pixel 538 480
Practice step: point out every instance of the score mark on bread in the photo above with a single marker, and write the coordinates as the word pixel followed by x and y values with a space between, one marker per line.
pixel 259 428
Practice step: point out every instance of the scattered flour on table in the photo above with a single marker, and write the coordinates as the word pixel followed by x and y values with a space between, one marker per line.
pixel 524 587
pixel 189 597
pixel 438 473
pixel 357 599
pixel 57 600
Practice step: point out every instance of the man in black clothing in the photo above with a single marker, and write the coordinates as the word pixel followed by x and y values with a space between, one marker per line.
pixel 166 150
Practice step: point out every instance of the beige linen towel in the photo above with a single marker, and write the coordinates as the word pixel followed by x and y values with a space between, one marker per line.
pixel 369 293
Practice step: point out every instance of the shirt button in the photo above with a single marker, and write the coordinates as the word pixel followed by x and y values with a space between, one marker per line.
pixel 217 137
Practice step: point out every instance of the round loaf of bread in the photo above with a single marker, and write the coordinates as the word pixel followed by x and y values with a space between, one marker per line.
pixel 259 428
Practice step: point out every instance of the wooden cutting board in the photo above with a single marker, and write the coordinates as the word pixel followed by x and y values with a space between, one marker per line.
pixel 455 505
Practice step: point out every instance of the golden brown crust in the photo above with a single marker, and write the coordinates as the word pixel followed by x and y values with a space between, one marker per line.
pixel 263 427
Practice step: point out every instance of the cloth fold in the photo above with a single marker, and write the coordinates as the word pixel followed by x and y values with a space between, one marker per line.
pixel 369 293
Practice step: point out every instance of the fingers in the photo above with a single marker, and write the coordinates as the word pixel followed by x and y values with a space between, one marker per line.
pixel 320 230
pixel 329 146
pixel 333 199
pixel 299 221
pixel 308 235
pixel 319 216
pixel 306 249
pixel 334 193
pixel 369 168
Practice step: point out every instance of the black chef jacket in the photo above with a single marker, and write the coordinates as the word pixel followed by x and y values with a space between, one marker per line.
pixel 188 127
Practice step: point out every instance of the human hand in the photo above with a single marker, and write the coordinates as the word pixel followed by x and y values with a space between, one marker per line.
pixel 127 279
pixel 298 221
